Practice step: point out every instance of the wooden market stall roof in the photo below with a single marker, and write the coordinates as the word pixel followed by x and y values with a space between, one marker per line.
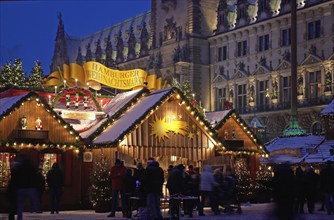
pixel 234 132
pixel 145 105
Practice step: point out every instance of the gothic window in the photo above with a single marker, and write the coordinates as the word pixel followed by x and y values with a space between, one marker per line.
pixel 263 91
pixel 241 96
pixel 222 53
pixel 263 42
pixel 144 37
pixel 120 48
pixel 98 52
pixel 314 29
pixel 89 55
pixel 242 48
pixel 79 59
pixel 314 84
pixel 109 62
pixel 131 45
pixel 286 37
pixel 220 98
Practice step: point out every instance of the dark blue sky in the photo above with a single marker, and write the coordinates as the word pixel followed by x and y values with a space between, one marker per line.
pixel 28 28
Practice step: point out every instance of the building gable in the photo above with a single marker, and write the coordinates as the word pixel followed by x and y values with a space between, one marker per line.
pixel 311 59
pixel 283 65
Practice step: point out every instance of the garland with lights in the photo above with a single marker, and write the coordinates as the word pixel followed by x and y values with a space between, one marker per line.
pixel 100 189
pixel 139 120
pixel 41 146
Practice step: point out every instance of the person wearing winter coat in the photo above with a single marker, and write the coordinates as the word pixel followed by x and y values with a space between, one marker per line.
pixel 152 182
pixel 55 181
pixel 117 174
pixel 207 184
pixel 176 187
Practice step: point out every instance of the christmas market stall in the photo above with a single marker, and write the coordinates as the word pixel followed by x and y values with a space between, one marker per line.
pixel 243 152
pixel 237 137
pixel 29 125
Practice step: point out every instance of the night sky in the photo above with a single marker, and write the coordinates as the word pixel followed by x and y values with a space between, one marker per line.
pixel 28 28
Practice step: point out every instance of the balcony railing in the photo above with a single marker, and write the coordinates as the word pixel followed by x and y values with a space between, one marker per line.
pixel 302 102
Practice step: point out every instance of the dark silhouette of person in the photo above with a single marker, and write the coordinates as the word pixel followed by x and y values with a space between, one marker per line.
pixel 117 174
pixel 139 191
pixel 327 186
pixel 191 189
pixel 129 190
pixel 283 191
pixel 152 183
pixel 55 181
pixel 11 193
pixel 300 190
pixel 40 187
pixel 176 186
pixel 26 176
pixel 311 188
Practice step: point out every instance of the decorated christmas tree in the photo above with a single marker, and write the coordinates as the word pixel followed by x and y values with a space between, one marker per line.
pixel 6 73
pixel 17 75
pixel 263 183
pixel 100 190
pixel 35 79
pixel 245 184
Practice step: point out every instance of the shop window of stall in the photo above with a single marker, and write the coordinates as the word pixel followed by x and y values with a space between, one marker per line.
pixel 5 160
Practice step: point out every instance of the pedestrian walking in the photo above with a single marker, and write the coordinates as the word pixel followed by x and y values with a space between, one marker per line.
pixel 55 181
pixel 207 184
pixel 117 174
pixel 300 190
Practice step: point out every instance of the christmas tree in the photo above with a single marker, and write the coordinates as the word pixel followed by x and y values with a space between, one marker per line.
pixel 245 184
pixel 17 75
pixel 5 75
pixel 263 183
pixel 100 190
pixel 35 79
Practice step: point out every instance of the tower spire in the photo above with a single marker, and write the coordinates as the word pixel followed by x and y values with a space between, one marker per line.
pixel 60 56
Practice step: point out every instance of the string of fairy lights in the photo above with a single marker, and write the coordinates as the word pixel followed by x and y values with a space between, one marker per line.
pixel 40 101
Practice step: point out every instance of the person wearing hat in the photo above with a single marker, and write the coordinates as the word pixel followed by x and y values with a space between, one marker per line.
pixel 117 174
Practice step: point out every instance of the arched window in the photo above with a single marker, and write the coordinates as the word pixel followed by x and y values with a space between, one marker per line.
pixel 316 128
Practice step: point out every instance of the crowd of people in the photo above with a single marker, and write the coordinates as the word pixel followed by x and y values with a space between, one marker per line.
pixel 188 189
pixel 293 191
pixel 28 183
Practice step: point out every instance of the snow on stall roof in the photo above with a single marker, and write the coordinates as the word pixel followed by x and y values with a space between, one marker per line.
pixel 329 110
pixel 120 100
pixel 8 102
pixel 321 153
pixel 124 122
pixel 294 142
pixel 92 129
pixel 216 117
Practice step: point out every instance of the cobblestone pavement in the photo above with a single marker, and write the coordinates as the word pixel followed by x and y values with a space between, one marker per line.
pixel 249 212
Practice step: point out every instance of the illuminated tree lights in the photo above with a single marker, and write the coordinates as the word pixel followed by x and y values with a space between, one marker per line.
pixel 100 189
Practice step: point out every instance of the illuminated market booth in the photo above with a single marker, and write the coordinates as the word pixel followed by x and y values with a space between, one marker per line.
pixel 78 127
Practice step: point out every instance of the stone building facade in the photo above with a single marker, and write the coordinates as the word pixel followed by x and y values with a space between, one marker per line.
pixel 234 53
